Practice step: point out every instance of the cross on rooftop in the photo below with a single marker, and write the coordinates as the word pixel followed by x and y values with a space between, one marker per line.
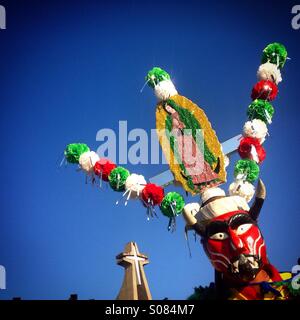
pixel 136 260
pixel 135 285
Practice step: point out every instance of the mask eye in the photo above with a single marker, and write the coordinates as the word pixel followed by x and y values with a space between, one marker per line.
pixel 243 228
pixel 219 236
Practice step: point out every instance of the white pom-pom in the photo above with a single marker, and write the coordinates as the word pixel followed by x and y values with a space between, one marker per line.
pixel 192 208
pixel 134 185
pixel 164 90
pixel 269 71
pixel 243 189
pixel 255 128
pixel 87 161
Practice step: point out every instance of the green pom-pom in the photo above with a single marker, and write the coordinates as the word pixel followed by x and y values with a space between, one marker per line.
pixel 156 75
pixel 275 53
pixel 172 203
pixel 248 167
pixel 74 150
pixel 117 178
pixel 261 109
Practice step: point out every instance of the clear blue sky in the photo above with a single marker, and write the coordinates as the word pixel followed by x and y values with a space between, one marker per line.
pixel 69 69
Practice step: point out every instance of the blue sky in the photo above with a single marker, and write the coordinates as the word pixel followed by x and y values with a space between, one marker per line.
pixel 68 70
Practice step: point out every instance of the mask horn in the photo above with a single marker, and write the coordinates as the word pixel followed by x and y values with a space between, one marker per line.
pixel 191 222
pixel 260 197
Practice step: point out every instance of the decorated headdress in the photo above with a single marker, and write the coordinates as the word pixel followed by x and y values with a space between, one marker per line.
pixel 215 203
pixel 230 214
pixel 174 111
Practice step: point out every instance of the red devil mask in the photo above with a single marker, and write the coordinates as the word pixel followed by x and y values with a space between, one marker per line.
pixel 235 245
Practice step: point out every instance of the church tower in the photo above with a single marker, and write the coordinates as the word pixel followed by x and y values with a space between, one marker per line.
pixel 135 285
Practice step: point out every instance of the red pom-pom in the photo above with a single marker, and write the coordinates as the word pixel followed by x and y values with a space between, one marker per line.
pixel 245 149
pixel 264 90
pixel 105 166
pixel 153 192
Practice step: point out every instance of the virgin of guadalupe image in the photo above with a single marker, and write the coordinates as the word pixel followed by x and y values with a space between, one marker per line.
pixel 186 137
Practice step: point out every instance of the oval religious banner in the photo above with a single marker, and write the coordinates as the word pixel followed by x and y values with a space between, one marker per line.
pixel 188 141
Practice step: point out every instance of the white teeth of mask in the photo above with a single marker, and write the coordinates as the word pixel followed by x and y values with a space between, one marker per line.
pixel 242 260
